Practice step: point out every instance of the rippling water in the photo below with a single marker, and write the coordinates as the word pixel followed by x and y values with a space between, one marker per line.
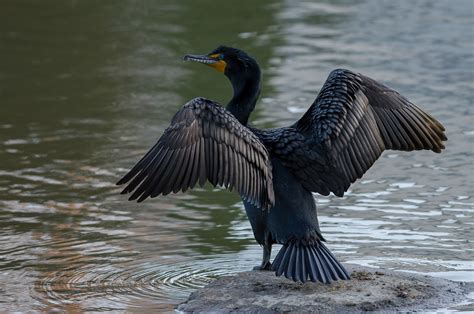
pixel 86 87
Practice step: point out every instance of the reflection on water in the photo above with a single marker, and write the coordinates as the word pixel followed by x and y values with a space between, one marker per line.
pixel 87 87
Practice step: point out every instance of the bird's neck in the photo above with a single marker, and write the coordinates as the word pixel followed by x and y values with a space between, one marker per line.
pixel 245 97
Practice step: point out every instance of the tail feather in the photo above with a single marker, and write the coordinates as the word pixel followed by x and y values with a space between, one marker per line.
pixel 328 268
pixel 283 257
pixel 341 271
pixel 311 266
pixel 321 272
pixel 279 256
pixel 312 262
pixel 291 270
pixel 302 266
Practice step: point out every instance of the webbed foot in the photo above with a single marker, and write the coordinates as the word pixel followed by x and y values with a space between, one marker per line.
pixel 266 266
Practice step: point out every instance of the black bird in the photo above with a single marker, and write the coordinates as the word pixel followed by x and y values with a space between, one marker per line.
pixel 351 122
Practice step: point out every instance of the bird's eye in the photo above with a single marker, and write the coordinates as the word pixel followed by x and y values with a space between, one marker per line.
pixel 221 56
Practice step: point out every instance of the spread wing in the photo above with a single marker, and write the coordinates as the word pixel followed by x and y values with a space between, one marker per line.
pixel 351 122
pixel 204 142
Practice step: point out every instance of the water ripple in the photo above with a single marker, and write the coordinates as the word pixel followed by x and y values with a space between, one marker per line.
pixel 125 288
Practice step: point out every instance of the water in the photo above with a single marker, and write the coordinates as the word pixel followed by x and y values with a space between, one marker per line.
pixel 86 87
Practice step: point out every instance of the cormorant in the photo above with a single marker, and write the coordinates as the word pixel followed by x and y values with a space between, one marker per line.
pixel 351 122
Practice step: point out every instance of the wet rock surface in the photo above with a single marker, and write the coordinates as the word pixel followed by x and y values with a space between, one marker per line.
pixel 369 290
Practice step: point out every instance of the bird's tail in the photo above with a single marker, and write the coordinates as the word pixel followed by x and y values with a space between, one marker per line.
pixel 314 262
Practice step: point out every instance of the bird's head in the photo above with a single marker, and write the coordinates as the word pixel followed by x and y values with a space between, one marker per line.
pixel 243 73
pixel 234 63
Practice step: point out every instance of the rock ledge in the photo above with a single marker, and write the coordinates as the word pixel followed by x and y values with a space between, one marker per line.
pixel 369 290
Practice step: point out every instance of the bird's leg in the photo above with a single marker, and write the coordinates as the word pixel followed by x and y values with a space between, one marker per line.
pixel 267 252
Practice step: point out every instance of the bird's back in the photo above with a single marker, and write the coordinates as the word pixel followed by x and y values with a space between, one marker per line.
pixel 294 214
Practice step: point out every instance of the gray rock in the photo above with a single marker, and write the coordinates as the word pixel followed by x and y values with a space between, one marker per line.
pixel 369 290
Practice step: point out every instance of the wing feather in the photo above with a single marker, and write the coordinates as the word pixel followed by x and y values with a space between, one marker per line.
pixel 204 142
pixel 346 129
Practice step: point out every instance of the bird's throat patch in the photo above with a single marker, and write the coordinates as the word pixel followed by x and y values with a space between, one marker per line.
pixel 218 65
